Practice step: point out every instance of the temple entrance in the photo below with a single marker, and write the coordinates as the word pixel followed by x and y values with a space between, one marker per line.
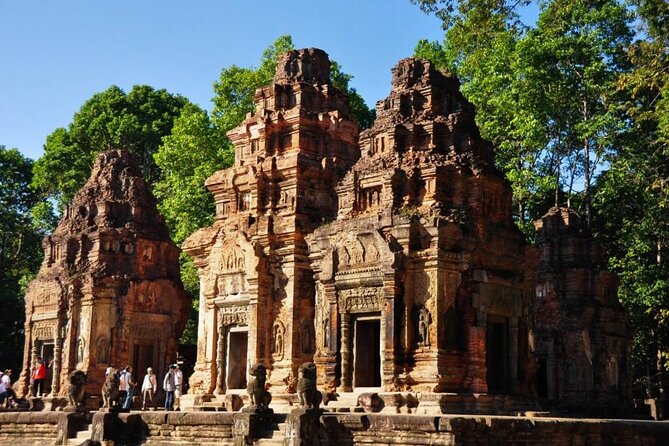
pixel 46 352
pixel 497 354
pixel 238 339
pixel 143 358
pixel 367 352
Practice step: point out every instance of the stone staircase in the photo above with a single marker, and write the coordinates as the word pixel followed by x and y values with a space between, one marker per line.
pixel 275 434
pixel 84 433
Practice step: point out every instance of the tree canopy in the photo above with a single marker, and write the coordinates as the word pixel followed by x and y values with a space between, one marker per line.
pixel 20 250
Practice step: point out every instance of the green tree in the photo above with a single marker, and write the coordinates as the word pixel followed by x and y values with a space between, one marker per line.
pixel 631 199
pixel 481 48
pixel 112 119
pixel 20 250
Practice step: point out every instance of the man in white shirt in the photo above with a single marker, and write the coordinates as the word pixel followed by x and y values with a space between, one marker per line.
pixel 149 388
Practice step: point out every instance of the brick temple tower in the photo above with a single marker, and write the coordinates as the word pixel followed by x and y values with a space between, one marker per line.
pixel 109 292
pixel 423 280
pixel 257 288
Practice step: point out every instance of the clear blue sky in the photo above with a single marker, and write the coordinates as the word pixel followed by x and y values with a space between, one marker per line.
pixel 57 54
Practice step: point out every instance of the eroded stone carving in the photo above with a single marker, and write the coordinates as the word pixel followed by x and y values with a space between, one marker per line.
pixel 110 276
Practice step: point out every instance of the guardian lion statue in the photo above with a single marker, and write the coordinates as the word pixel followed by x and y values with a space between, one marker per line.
pixel 75 389
pixel 110 391
pixel 260 398
pixel 307 392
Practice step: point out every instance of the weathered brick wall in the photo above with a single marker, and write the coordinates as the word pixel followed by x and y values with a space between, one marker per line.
pixel 160 428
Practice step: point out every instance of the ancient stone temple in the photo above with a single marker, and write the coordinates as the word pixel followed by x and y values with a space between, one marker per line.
pixel 581 335
pixel 257 287
pixel 423 281
pixel 109 291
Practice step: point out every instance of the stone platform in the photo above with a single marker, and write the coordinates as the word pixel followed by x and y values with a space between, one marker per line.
pixel 303 428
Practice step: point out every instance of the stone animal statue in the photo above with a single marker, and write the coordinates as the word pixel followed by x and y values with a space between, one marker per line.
pixel 75 389
pixel 110 391
pixel 260 398
pixel 307 392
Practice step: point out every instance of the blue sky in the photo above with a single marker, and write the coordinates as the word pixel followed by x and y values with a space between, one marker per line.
pixel 57 54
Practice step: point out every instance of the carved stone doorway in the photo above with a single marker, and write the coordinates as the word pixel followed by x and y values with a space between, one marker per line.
pixel 367 352
pixel 143 357
pixel 497 354
pixel 46 350
pixel 237 347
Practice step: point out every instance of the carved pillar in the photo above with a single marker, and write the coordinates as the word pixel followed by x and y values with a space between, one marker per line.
pixel 388 321
pixel 346 352
pixel 476 372
pixel 220 363
pixel 56 366
pixel 513 352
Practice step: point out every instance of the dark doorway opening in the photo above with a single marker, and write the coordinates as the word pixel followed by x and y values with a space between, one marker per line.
pixel 367 353
pixel 236 360
pixel 497 354
pixel 142 359
pixel 542 378
pixel 46 352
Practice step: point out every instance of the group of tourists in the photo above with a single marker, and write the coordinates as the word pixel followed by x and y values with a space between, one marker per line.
pixel 7 394
pixel 172 385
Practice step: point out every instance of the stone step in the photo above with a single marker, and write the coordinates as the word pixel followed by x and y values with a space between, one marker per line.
pixel 81 436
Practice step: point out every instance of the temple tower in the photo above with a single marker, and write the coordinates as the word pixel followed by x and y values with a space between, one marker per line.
pixel 257 288
pixel 582 336
pixel 423 280
pixel 109 292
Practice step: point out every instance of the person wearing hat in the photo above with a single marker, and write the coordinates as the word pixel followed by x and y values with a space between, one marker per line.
pixel 149 388
pixel 168 387
pixel 178 384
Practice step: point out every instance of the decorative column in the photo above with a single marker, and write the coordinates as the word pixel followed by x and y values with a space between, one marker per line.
pixel 57 354
pixel 476 371
pixel 220 363
pixel 346 383
pixel 513 352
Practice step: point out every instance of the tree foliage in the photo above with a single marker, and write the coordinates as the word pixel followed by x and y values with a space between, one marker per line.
pixel 574 106
pixel 136 121
pixel 20 250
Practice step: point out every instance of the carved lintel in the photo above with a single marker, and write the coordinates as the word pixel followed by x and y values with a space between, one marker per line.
pixel 361 300
pixel 233 315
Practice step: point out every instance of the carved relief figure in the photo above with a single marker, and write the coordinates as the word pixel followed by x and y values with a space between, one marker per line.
pixel 277 344
pixel 102 351
pixel 424 320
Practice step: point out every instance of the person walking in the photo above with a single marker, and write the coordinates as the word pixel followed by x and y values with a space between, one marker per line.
pixel 3 390
pixel 168 387
pixel 149 388
pixel 178 386
pixel 38 376
pixel 130 386
pixel 7 382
